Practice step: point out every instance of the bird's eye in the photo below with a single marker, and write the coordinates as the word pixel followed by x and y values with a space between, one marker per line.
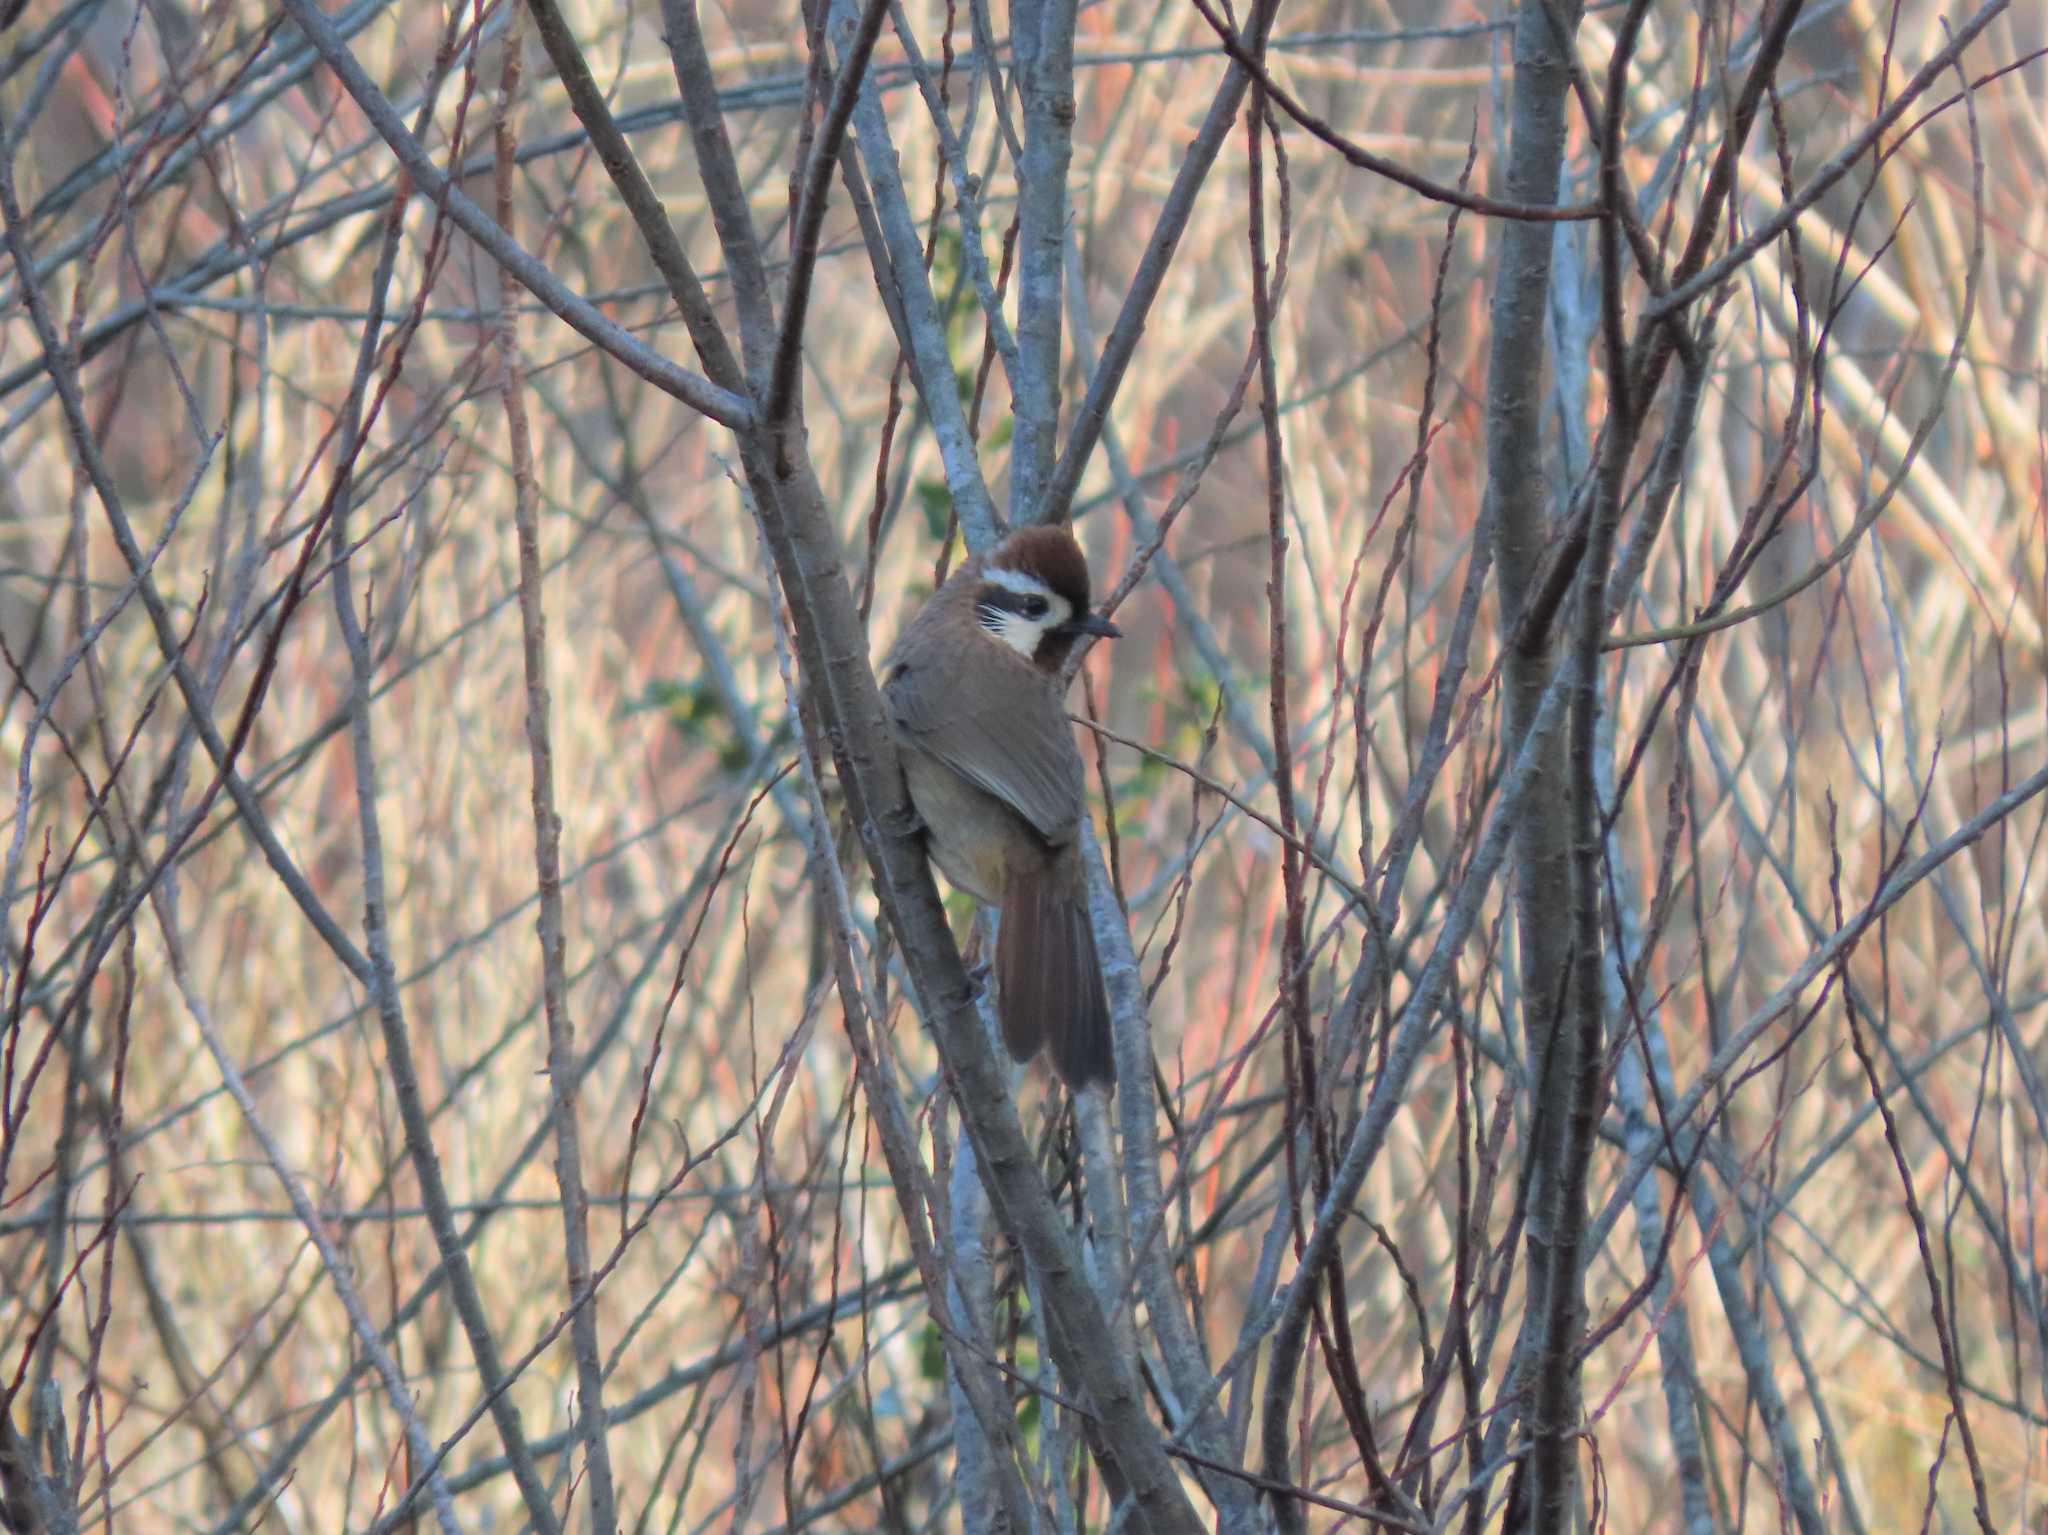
pixel 1034 607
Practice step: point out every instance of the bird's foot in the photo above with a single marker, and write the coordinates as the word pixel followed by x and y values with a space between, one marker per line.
pixel 904 821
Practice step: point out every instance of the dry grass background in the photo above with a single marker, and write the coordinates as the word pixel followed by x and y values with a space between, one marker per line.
pixel 1903 690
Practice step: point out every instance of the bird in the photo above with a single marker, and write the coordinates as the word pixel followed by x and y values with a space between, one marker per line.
pixel 973 690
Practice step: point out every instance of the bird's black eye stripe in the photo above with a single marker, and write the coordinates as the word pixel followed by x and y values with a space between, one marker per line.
pixel 997 600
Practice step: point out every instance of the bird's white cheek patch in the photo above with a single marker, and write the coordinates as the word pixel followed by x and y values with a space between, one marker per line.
pixel 1016 631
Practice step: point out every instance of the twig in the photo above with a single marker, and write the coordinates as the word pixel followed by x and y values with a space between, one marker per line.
pixel 1122 342
pixel 903 275
pixel 547 853
pixel 1245 55
pixel 724 192
pixel 1744 250
pixel 336 1265
pixel 810 214
pixel 721 405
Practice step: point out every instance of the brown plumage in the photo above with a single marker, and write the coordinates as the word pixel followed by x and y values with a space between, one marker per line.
pixel 973 690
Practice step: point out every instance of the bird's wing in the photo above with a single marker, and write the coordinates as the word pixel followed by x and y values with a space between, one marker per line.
pixel 1013 742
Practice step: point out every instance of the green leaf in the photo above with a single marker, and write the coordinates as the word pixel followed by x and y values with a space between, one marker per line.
pixel 1201 694
pixel 946 252
pixel 695 711
pixel 959 907
pixel 688 705
pixel 665 695
pixel 937 502
pixel 931 1353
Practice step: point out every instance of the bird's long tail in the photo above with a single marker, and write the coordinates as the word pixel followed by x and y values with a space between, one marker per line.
pixel 1050 981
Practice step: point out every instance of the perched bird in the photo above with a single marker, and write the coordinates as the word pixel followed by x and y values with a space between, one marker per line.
pixel 973 688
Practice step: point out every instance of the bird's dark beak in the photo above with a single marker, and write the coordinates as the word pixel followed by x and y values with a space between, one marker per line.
pixel 1094 623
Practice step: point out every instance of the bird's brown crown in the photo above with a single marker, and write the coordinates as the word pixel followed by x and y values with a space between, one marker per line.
pixel 1048 552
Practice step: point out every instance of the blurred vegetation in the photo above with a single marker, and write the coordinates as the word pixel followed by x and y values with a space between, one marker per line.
pixel 203 209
